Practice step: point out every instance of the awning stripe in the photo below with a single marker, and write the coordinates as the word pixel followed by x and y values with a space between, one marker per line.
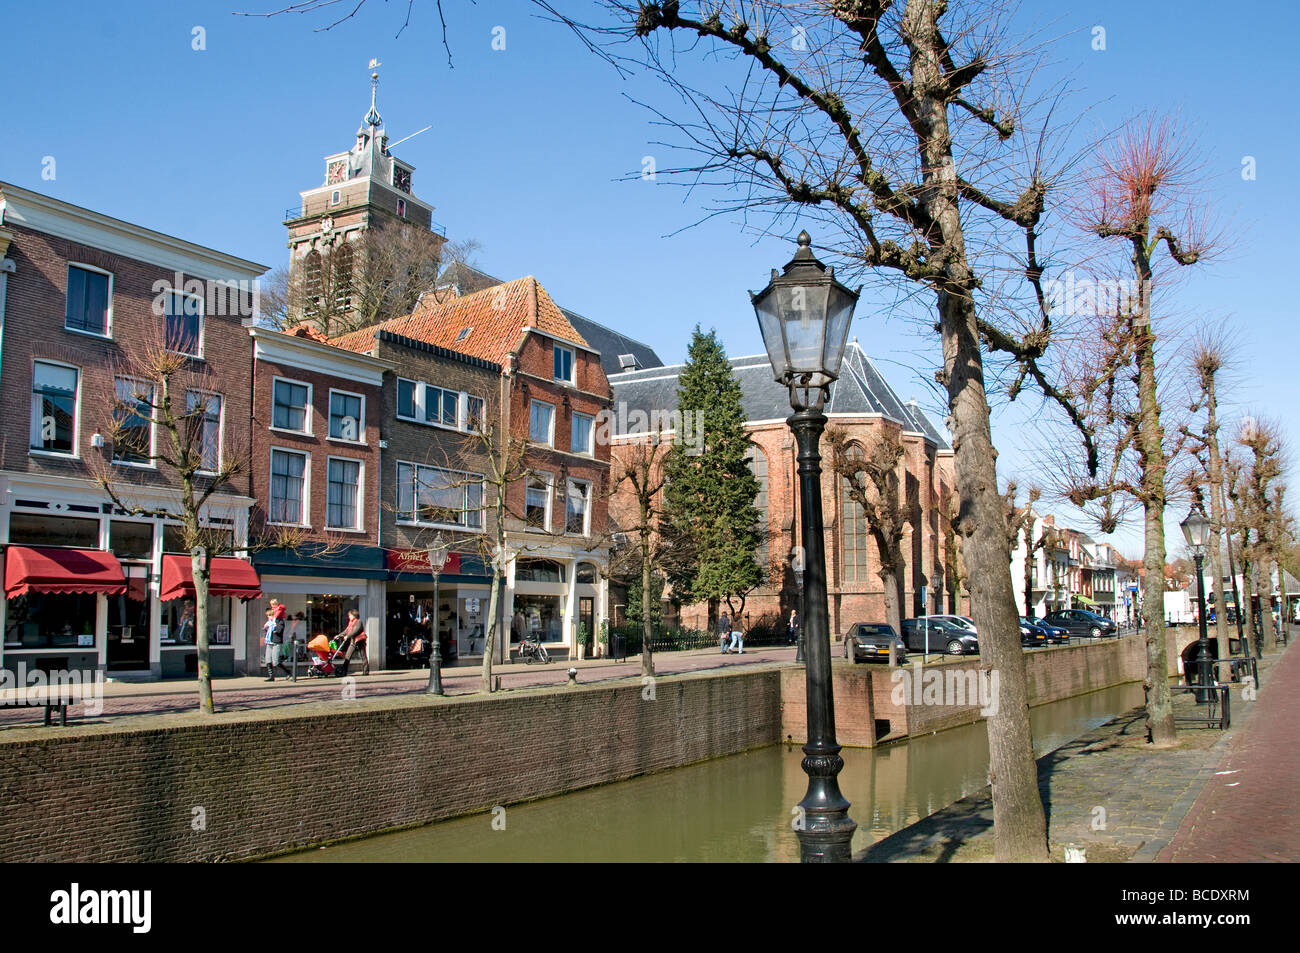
pixel 231 577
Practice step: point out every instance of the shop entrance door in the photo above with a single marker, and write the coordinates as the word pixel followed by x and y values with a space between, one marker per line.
pixel 128 623
pixel 587 618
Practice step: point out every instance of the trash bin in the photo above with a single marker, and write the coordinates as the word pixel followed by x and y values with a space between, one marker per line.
pixel 617 647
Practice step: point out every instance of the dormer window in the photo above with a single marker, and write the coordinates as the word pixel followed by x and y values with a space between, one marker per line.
pixel 464 333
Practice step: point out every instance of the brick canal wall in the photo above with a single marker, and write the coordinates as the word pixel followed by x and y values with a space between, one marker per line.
pixel 269 783
pixel 868 711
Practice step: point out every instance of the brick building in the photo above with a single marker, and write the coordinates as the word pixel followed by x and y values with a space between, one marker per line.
pixel 549 388
pixel 316 473
pixel 88 586
pixel 862 404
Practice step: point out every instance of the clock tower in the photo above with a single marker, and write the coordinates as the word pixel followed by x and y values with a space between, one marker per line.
pixel 366 189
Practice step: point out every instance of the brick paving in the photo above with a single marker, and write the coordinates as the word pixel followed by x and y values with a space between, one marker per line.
pixel 1111 794
pixel 1247 810
pixel 247 693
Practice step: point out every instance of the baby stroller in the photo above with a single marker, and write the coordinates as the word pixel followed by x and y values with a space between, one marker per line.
pixel 327 657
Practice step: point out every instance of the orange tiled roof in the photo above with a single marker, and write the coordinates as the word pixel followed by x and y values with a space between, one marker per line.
pixel 496 319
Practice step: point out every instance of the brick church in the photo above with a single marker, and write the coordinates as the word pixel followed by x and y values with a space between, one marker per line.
pixel 862 404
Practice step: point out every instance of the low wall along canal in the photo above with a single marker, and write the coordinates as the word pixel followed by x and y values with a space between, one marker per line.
pixel 255 784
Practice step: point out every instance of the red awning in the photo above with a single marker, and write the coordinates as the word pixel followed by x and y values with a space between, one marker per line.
pixel 230 577
pixel 50 569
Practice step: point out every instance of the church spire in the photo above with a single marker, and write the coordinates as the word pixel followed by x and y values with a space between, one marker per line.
pixel 373 119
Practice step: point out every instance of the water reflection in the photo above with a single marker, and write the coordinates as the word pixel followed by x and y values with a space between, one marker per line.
pixel 731 809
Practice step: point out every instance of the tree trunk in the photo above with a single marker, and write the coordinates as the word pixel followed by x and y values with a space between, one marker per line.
pixel 490 631
pixel 1029 568
pixel 1215 475
pixel 647 594
pixel 1283 616
pixel 1160 713
pixel 202 575
pixel 1265 601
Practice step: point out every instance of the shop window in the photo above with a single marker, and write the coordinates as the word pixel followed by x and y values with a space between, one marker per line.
pixel 131 540
pixel 54 407
pixel 41 620
pixel 543 616
pixel 538 570
pixel 31 529
pixel 179 621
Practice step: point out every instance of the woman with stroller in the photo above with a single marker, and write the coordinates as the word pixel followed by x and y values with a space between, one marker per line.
pixel 355 636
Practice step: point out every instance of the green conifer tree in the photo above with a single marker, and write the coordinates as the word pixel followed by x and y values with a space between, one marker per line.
pixel 710 493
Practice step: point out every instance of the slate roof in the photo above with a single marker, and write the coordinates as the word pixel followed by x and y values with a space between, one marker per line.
pixel 487 324
pixel 861 389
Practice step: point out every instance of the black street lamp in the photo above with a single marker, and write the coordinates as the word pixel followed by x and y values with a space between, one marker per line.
pixel 803 315
pixel 1196 528
pixel 437 553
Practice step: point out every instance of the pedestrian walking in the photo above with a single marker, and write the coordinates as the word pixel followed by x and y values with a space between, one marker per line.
pixel 272 636
pixel 724 632
pixel 737 639
pixel 355 634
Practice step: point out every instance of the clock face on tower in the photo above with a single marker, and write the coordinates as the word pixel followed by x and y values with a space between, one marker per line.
pixel 402 178
pixel 336 171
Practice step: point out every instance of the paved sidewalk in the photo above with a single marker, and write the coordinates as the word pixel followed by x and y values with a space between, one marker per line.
pixel 1111 794
pixel 245 693
pixel 1248 812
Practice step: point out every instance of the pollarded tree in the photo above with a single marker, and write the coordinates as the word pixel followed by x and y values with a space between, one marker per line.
pixel 710 489
pixel 871 481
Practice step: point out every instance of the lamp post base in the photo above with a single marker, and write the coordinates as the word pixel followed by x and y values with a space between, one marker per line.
pixel 824 827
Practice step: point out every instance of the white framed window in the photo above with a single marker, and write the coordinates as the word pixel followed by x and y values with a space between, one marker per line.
pixel 408 399
pixel 432 496
pixel 289 498
pixel 89 301
pixel 335 197
pixel 537 501
pixel 54 408
pixel 563 363
pixel 204 412
pixel 183 322
pixel 441 406
pixel 541 422
pixel 344 487
pixel 577 508
pixel 475 408
pixel 347 416
pixel 133 412
pixel 580 431
pixel 290 405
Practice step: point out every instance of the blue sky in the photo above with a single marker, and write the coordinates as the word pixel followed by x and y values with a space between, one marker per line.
pixel 529 147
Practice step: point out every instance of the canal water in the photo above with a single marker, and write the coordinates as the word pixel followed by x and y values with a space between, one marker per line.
pixel 737 808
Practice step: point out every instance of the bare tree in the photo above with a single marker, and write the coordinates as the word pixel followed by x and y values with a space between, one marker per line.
pixel 160 419
pixel 1140 199
pixel 871 481
pixel 1258 513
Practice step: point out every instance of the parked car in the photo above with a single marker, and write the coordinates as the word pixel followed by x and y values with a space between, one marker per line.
pixel 870 642
pixel 1054 633
pixel 1031 636
pixel 1080 622
pixel 944 636
pixel 961 621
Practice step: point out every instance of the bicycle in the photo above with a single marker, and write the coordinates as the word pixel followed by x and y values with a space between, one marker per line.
pixel 533 651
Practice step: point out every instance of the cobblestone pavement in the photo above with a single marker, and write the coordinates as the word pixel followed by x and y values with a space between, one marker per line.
pixel 1247 810
pixel 251 692
pixel 1111 794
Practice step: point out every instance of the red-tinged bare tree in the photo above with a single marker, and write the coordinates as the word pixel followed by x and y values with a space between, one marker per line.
pixel 1140 202
pixel 1258 514
pixel 161 426
pixel 1210 359
pixel 871 480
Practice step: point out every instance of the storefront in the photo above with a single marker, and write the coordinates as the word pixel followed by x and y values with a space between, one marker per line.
pixel 557 601
pixel 90 587
pixel 457 610
pixel 317 589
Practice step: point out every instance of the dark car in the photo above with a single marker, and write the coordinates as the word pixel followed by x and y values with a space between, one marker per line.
pixel 870 642
pixel 1080 622
pixel 1032 637
pixel 944 636
pixel 1054 634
